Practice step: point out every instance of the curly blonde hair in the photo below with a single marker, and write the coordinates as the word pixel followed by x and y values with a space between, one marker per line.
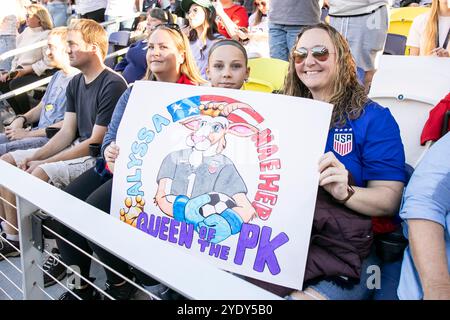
pixel 347 95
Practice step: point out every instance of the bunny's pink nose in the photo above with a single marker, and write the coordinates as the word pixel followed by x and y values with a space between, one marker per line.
pixel 198 139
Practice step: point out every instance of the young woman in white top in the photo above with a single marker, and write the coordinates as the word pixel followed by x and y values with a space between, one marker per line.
pixel 430 32
pixel 258 35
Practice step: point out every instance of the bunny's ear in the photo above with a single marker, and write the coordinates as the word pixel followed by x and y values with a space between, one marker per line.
pixel 192 124
pixel 242 129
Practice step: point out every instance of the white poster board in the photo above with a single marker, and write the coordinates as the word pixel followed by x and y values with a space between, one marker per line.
pixel 241 187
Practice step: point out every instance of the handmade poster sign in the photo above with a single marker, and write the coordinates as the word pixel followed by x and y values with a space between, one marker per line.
pixel 229 175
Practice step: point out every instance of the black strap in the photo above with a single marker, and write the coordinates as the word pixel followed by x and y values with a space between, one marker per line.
pixel 447 38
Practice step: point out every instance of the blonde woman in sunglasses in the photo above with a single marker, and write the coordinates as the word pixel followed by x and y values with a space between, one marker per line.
pixel 363 141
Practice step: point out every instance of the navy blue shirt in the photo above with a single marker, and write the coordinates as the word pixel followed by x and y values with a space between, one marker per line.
pixel 370 147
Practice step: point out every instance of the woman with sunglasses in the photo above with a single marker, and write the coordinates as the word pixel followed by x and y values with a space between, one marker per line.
pixel 258 30
pixel 32 65
pixel 169 59
pixel 363 140
pixel 134 64
pixel 203 29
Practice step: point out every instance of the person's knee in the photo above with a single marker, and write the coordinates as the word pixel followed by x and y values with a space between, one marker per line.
pixel 41 174
pixel 9 159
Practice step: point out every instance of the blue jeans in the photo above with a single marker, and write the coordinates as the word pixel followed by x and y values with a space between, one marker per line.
pixel 360 291
pixel 124 25
pixel 7 43
pixel 281 40
pixel 58 11
pixel 22 144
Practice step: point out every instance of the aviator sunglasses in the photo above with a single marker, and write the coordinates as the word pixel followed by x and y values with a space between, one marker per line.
pixel 320 53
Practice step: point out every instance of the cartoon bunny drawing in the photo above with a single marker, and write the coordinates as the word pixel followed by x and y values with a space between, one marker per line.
pixel 188 177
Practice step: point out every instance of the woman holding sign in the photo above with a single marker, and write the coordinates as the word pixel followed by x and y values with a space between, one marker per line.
pixel 363 140
pixel 170 60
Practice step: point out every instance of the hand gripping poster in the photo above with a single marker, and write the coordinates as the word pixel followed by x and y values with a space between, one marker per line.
pixel 229 175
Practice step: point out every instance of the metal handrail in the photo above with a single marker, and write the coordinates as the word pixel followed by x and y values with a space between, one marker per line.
pixel 32 193
pixel 45 81
pixel 43 43
pixel 14 52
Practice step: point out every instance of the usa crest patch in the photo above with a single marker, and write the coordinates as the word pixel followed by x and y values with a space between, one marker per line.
pixel 343 141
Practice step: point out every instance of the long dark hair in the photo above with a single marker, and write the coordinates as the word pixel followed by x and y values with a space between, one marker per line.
pixel 210 30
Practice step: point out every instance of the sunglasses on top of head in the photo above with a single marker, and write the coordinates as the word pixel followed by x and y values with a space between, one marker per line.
pixel 262 3
pixel 320 53
pixel 172 26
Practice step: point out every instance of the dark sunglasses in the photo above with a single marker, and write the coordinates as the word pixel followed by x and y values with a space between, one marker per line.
pixel 262 3
pixel 172 26
pixel 320 53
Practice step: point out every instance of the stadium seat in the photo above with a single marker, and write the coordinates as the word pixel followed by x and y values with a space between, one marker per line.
pixel 253 84
pixel 400 19
pixel 395 44
pixel 410 93
pixel 117 40
pixel 120 38
pixel 269 70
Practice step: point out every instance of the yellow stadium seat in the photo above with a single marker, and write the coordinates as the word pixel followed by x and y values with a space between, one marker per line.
pixel 400 19
pixel 254 84
pixel 269 70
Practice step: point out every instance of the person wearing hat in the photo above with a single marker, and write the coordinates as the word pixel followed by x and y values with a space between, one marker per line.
pixel 203 30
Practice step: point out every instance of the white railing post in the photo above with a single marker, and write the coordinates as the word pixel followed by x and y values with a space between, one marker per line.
pixel 30 256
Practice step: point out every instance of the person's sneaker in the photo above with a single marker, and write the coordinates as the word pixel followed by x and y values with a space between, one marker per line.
pixel 123 292
pixel 85 294
pixel 88 293
pixel 53 266
pixel 7 249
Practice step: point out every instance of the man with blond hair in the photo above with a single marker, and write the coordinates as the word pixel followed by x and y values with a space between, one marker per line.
pixel 91 98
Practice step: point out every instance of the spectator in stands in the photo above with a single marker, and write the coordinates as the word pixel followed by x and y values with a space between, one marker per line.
pixel 364 24
pixel 322 68
pixel 91 98
pixel 134 64
pixel 430 31
pixel 227 65
pixel 20 134
pixel 426 208
pixel 58 11
pixel 31 65
pixel 8 32
pixel 91 9
pixel 118 9
pixel 232 18
pixel 286 20
pixel 258 31
pixel 22 6
pixel 203 30
pixel 415 3
pixel 170 60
